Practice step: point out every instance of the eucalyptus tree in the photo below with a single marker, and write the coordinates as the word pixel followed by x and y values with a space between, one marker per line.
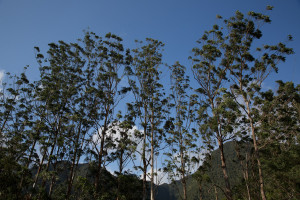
pixel 243 149
pixel 279 115
pixel 16 142
pixel 60 95
pixel 218 114
pixel 105 61
pixel 149 106
pixel 125 145
pixel 278 132
pixel 78 91
pixel 201 176
pixel 249 67
pixel 182 137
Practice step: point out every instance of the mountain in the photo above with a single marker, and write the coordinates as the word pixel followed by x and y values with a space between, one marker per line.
pixel 281 173
pixel 212 168
pixel 131 186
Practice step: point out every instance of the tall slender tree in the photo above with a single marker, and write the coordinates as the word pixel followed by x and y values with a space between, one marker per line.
pixel 249 67
pixel 16 143
pixel 182 139
pixel 124 147
pixel 216 117
pixel 105 59
pixel 61 104
pixel 149 105
pixel 231 47
pixel 278 133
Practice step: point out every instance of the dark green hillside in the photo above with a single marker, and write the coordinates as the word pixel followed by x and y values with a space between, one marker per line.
pixel 214 172
pixel 213 169
pixel 131 186
pixel 281 171
pixel 130 183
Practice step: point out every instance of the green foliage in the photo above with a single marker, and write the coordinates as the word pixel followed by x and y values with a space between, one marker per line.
pixel 182 139
pixel 149 106
pixel 209 174
pixel 279 133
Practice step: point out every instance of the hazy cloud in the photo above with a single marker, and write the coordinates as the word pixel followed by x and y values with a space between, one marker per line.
pixel 2 72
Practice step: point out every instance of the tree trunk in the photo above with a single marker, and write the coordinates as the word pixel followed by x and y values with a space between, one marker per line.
pixel 228 192
pixel 73 165
pixel 78 158
pixel 97 180
pixel 260 173
pixel 245 172
pixel 51 185
pixel 184 188
pixel 200 192
pixel 39 169
pixel 38 172
pixel 120 173
pixel 152 161
pixel 70 180
pixel 100 156
pixel 144 166
pixel 248 190
pixel 216 192
pixel 183 180
pixel 246 177
pixel 54 169
pixel 27 165
pixel 49 161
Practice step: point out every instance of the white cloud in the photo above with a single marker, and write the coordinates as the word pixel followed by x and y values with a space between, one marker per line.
pixel 160 177
pixel 114 134
pixel 2 74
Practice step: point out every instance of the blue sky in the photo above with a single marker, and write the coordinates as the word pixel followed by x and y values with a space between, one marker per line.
pixel 28 23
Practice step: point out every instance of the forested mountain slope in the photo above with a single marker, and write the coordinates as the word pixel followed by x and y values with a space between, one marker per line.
pixel 213 169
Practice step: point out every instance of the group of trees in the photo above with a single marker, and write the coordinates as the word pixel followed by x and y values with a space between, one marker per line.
pixel 71 115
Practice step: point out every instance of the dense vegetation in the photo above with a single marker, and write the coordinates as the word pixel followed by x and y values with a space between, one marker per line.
pixel 98 105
